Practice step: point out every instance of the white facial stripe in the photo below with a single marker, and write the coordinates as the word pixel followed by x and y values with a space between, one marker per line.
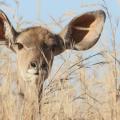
pixel 32 71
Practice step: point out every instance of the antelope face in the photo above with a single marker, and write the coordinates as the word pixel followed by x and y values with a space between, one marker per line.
pixel 34 53
pixel 36 47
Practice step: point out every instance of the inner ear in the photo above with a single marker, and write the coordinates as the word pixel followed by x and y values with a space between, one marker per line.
pixel 2 33
pixel 81 26
pixel 7 32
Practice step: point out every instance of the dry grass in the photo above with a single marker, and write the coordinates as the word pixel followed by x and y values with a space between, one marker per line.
pixel 78 90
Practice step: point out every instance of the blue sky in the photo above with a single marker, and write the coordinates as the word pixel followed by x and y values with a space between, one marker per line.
pixel 57 8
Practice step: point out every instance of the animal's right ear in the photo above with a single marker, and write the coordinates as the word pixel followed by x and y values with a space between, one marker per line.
pixel 82 32
pixel 7 32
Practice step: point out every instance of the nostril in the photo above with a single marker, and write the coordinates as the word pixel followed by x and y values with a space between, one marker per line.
pixel 33 64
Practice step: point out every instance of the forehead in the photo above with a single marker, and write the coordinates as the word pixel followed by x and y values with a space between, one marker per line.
pixel 35 36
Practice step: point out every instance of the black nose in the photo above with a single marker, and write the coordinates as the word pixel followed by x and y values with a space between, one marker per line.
pixel 33 64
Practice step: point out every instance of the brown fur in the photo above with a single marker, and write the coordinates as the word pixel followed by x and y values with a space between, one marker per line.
pixel 36 46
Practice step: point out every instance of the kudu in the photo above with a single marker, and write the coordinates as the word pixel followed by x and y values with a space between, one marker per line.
pixel 36 47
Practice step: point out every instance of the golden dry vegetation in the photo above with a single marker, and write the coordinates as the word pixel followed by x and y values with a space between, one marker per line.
pixel 83 87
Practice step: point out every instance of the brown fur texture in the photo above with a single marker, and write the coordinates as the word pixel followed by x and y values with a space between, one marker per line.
pixel 36 47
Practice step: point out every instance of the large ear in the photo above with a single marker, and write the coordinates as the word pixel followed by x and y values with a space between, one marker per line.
pixel 7 32
pixel 83 31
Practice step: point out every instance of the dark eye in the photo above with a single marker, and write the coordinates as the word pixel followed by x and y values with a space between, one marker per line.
pixel 33 64
pixel 19 45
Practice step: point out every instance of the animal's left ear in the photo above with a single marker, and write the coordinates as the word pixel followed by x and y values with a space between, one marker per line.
pixel 7 32
pixel 83 31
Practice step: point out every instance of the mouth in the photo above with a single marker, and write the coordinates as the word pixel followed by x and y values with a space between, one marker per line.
pixel 37 73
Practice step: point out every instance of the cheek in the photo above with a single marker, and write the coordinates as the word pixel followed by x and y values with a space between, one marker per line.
pixel 22 64
pixel 21 68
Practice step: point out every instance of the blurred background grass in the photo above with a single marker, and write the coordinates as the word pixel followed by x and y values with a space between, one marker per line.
pixel 82 85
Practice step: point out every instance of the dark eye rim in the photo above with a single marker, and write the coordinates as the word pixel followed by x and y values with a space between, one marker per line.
pixel 33 64
pixel 19 45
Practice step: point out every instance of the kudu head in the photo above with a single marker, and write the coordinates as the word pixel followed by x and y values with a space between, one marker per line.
pixel 36 47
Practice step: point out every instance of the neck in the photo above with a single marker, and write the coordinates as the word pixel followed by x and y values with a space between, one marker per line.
pixel 31 96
